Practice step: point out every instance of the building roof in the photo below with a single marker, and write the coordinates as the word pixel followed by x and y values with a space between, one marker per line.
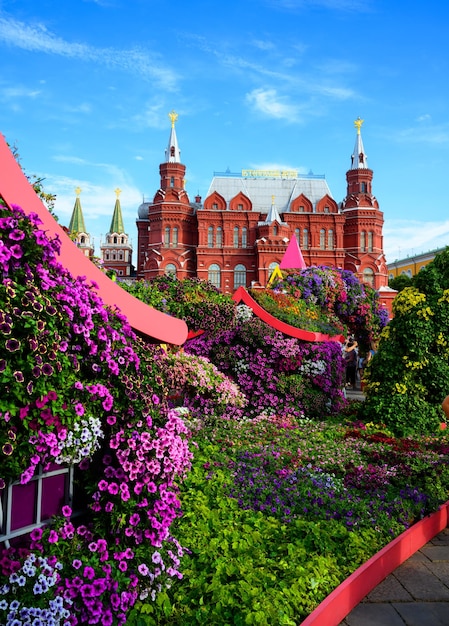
pixel 77 224
pixel 173 153
pixel 117 217
pixel 359 159
pixel 261 187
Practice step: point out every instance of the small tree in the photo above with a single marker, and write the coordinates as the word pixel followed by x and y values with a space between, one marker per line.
pixel 400 282
pixel 409 376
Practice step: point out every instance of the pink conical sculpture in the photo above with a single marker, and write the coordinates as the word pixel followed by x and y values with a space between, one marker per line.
pixel 293 259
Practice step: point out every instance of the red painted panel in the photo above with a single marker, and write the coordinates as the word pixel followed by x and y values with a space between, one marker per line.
pixel 241 295
pixel 347 595
pixel 15 189
pixel 53 495
pixel 23 505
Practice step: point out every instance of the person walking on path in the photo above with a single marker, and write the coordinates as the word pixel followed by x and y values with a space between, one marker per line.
pixel 350 356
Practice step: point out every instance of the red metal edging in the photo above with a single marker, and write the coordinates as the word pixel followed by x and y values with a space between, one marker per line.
pixel 15 189
pixel 241 295
pixel 351 592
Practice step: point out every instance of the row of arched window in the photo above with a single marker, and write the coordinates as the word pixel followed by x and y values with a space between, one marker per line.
pixel 115 256
pixel 170 237
pixel 327 238
pixel 366 241
pixel 214 274
pixel 215 237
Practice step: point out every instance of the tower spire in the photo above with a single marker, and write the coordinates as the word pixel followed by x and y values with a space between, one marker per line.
pixel 77 224
pixel 117 217
pixel 173 153
pixel 358 158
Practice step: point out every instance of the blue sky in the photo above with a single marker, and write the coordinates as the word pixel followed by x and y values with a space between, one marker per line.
pixel 86 87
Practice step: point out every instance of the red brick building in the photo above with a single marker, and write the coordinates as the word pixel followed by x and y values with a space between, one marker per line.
pixel 241 230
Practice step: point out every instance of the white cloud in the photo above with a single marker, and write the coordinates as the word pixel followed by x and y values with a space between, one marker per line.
pixel 37 38
pixel 404 238
pixel 268 102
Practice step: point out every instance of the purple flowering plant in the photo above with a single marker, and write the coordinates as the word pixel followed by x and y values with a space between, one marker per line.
pixel 338 294
pixel 79 388
pixel 277 374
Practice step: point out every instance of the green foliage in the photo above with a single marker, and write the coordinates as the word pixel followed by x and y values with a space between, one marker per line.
pixel 400 282
pixel 197 302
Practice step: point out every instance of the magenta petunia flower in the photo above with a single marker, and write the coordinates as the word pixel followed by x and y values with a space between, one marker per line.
pixel 16 251
pixel 66 511
pixel 16 235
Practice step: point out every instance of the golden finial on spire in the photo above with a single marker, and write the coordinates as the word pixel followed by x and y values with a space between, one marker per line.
pixel 78 191
pixel 272 199
pixel 358 123
pixel 117 192
pixel 173 116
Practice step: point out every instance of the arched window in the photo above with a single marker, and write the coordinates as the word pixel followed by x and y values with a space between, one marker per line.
pixel 236 236
pixel 115 240
pixel 244 237
pixel 363 187
pixel 172 181
pixel 330 239
pixel 275 230
pixel 239 276
pixel 175 236
pixel 368 276
pixel 214 275
pixel 322 239
pixel 370 241
pixel 83 239
pixel 210 237
pixel 363 241
pixel 170 269
pixel 271 269
pixel 219 237
pixel 120 255
pixel 167 236
pixel 305 240
pixel 297 235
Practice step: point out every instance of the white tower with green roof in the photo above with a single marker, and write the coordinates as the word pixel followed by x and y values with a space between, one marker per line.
pixel 116 251
pixel 77 228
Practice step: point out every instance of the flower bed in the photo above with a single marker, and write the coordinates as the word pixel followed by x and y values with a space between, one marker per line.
pixel 278 512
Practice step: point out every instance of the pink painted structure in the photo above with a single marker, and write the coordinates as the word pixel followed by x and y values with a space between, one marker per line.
pixel 15 189
pixel 241 295
pixel 347 595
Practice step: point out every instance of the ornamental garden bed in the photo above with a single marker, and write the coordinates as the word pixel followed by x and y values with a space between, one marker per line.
pixel 278 513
